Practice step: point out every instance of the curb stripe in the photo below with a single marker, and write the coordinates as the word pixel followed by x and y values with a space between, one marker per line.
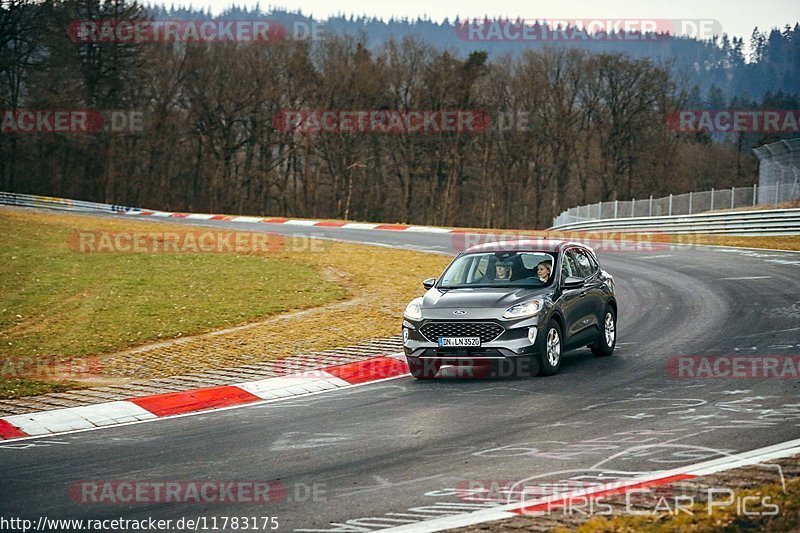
pixel 173 403
pixel 74 418
pixel 9 431
pixel 560 500
pixel 369 370
pixel 330 224
pixel 301 222
pixel 393 227
pixel 145 408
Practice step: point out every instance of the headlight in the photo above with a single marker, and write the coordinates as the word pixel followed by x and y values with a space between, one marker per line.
pixel 413 309
pixel 526 309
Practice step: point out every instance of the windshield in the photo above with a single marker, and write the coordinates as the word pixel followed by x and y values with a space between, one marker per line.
pixel 499 269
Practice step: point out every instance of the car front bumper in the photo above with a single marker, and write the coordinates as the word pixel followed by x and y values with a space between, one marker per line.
pixel 512 343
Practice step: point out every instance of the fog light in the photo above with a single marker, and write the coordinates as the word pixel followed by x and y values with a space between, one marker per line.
pixel 405 335
pixel 532 334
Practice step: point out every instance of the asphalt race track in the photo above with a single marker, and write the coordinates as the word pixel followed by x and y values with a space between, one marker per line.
pixel 392 453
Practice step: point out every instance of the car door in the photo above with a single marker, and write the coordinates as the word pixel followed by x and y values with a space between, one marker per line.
pixel 582 315
pixel 569 301
pixel 593 294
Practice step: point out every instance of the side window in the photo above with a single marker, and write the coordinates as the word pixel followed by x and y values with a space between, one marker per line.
pixel 595 264
pixel 567 266
pixel 583 263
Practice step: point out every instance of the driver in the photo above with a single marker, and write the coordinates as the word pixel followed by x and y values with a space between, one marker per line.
pixel 502 270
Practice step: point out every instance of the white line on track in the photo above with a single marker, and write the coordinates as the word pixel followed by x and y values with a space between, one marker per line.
pixel 747 277
pixel 749 458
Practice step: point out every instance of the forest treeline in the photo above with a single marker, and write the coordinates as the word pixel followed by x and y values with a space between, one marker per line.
pixel 595 125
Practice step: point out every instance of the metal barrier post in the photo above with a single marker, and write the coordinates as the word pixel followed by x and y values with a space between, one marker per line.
pixel 733 195
pixel 670 205
pixel 690 202
pixel 616 208
pixel 651 206
pixel 712 199
pixel 755 193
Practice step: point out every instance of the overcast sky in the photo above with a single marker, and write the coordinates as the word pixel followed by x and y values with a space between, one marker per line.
pixel 737 17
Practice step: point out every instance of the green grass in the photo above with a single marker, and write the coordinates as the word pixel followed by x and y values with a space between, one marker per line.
pixel 57 302
pixel 19 388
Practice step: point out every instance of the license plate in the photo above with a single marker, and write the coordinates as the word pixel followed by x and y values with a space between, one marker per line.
pixel 457 342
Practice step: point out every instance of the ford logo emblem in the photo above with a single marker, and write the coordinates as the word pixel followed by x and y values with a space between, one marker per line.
pixel 459 312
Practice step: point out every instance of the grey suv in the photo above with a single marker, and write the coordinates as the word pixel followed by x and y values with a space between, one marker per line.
pixel 512 302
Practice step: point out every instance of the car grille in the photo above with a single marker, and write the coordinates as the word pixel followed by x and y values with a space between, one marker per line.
pixel 487 331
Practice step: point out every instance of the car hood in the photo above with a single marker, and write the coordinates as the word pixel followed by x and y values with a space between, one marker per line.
pixel 492 298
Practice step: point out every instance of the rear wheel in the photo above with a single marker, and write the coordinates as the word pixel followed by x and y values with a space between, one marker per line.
pixel 422 368
pixel 608 334
pixel 550 352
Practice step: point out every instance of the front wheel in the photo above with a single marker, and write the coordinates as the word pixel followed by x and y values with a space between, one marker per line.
pixel 550 353
pixel 608 336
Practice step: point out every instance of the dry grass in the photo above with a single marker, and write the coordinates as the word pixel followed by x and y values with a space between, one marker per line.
pixel 56 304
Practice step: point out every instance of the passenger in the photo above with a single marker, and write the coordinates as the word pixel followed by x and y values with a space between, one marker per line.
pixel 543 270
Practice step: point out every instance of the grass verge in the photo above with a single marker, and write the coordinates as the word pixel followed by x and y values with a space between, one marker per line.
pixel 59 306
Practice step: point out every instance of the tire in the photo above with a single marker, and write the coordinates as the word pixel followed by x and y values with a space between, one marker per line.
pixel 608 334
pixel 551 347
pixel 422 369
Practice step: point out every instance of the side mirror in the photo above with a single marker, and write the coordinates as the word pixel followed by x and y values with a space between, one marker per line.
pixel 429 283
pixel 571 282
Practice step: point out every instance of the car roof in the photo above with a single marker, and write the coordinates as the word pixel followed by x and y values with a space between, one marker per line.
pixel 524 245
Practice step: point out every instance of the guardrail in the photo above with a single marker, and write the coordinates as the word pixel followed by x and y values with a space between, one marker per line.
pixel 49 202
pixel 691 203
pixel 762 222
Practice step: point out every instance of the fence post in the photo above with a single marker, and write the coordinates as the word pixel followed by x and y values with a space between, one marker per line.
pixel 733 195
pixel 670 204
pixel 755 193
pixel 633 207
pixel 777 188
pixel 651 206
pixel 690 202
pixel 712 199
pixel 616 208
pixel 600 210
